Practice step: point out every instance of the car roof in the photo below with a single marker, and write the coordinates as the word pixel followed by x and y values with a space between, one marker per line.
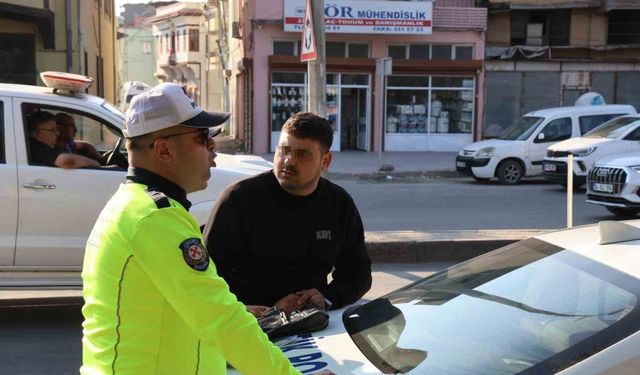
pixel 615 244
pixel 608 108
pixel 46 93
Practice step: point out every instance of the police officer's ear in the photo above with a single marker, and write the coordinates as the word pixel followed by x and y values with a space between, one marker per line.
pixel 162 150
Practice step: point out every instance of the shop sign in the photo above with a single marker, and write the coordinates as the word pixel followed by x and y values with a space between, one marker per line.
pixel 365 17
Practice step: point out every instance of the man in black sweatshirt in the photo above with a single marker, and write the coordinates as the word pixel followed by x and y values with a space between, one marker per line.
pixel 277 236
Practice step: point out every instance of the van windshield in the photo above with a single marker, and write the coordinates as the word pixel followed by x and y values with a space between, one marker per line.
pixel 613 129
pixel 522 130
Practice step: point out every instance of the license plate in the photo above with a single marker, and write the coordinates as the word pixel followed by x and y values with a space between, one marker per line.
pixel 461 164
pixel 604 188
pixel 549 167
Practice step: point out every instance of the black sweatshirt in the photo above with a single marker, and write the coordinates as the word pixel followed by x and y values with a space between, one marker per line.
pixel 267 243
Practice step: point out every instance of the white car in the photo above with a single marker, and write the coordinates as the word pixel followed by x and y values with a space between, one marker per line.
pixel 616 137
pixel 614 183
pixel 47 213
pixel 520 150
pixel 565 302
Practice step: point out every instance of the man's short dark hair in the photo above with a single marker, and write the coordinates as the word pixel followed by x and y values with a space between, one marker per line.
pixel 307 125
pixel 40 117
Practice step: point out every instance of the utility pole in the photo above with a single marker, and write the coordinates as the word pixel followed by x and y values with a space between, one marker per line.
pixel 316 69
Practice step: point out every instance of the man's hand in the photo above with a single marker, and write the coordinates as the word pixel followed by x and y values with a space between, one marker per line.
pixel 288 303
pixel 257 311
pixel 312 296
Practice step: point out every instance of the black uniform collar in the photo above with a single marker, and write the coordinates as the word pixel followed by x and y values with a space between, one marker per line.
pixel 158 183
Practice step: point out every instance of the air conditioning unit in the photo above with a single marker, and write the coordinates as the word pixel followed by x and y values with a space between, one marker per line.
pixel 236 30
pixel 534 34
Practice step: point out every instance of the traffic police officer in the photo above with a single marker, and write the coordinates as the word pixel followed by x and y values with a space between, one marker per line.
pixel 154 303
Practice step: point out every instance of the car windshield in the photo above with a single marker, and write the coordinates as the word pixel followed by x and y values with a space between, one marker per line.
pixel 522 130
pixel 530 307
pixel 613 129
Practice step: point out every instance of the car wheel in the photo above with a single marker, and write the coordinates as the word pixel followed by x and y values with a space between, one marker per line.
pixel 623 212
pixel 509 172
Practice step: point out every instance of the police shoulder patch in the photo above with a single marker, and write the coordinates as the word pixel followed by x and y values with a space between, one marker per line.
pixel 195 254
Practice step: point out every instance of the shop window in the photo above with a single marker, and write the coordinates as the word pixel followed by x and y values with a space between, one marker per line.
pixel 288 96
pixel 194 40
pixel 441 52
pixel 407 111
pixel 415 107
pixel 452 82
pixel 408 81
pixel 336 49
pixel 332 79
pixel 624 27
pixel 288 77
pixel 419 51
pixel 398 52
pixel 358 50
pixel 285 48
pixel 354 79
pixel 463 53
pixel 540 28
pixel 451 111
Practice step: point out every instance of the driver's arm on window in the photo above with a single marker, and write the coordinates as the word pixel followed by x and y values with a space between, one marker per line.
pixel 71 161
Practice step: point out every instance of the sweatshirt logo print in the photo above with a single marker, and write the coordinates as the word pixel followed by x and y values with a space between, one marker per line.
pixel 323 235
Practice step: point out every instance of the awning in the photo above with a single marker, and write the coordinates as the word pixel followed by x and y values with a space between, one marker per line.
pixel 43 18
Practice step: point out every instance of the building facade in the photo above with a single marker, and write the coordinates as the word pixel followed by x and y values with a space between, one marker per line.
pixel 68 36
pixel 137 45
pixel 188 51
pixel 428 102
pixel 546 53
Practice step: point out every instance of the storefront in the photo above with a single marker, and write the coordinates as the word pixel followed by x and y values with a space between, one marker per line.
pixel 429 102
pixel 348 106
pixel 429 112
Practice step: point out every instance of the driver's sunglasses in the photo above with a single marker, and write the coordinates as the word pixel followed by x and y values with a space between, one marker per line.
pixel 205 134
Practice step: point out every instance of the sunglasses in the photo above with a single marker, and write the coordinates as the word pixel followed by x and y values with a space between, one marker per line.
pixel 205 134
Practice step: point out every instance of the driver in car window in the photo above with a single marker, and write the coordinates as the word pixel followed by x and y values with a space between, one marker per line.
pixel 43 135
pixel 66 139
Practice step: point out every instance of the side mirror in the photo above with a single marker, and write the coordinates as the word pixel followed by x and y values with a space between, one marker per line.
pixel 541 136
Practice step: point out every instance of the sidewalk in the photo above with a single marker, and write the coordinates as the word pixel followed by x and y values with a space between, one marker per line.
pixel 349 164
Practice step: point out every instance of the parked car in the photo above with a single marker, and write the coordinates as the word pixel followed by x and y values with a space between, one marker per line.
pixel 47 213
pixel 618 136
pixel 520 150
pixel 614 183
pixel 565 302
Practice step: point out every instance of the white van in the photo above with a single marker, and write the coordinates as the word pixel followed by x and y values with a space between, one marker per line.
pixel 522 147
pixel 618 136
pixel 129 90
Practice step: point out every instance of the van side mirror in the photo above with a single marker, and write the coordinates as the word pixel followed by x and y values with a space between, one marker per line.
pixel 541 136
